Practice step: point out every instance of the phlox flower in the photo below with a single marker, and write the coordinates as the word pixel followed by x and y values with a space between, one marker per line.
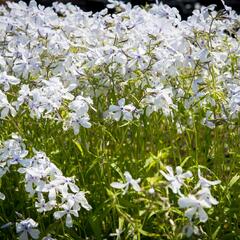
pixel 206 195
pixel 77 200
pixel 76 121
pixel 63 184
pixel 67 210
pixel 202 199
pixel 27 227
pixel 176 181
pixel 7 80
pixel 12 148
pixel 19 158
pixel 121 110
pixel 43 206
pixel 129 181
pixel 158 98
pixel 195 207
pixel 205 183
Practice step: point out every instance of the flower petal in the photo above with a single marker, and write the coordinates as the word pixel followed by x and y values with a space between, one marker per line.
pixel 34 233
pixel 118 185
pixel 203 217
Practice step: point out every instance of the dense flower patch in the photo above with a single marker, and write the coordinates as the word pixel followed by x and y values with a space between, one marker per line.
pixel 119 126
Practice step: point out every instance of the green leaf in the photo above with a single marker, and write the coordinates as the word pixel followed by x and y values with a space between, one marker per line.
pixel 117 169
pixel 234 180
pixel 214 235
pixel 148 234
pixel 185 160
pixel 79 147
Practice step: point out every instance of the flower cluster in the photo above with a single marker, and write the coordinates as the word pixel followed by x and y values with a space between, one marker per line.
pixel 64 60
pixel 195 202
pixel 141 70
pixel 44 180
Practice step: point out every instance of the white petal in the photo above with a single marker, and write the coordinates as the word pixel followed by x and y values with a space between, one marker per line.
pixel 135 186
pixel 59 214
pixel 179 170
pixel 74 212
pixel 118 185
pixel 128 176
pixel 52 194
pixel 4 112
pixel 24 235
pixel 170 170
pixel 121 102
pixel 167 176
pixel 86 124
pixel 19 227
pixel 34 233
pixel 190 212
pixel 213 200
pixel 74 187
pixel 203 217
pixel 127 116
pixel 69 221
pixel 117 116
pixel 186 202
pixel 187 174
pixel 114 108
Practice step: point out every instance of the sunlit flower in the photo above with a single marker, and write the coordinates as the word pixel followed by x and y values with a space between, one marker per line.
pixel 27 227
pixel 195 207
pixel 129 182
pixel 176 181
pixel 121 110
pixel 204 183
pixel 67 210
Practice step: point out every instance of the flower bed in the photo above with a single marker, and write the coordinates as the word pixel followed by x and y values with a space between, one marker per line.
pixel 119 126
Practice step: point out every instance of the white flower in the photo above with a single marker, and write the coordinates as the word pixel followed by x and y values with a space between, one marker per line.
pixel 121 110
pixel 158 98
pixel 43 206
pixel 176 181
pixel 27 227
pixel 130 181
pixel 80 105
pixel 204 183
pixel 76 121
pixel 18 158
pixel 67 211
pixel 63 184
pixel 7 80
pixel 194 207
pixel 77 200
pixel 205 194
pixel 138 58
